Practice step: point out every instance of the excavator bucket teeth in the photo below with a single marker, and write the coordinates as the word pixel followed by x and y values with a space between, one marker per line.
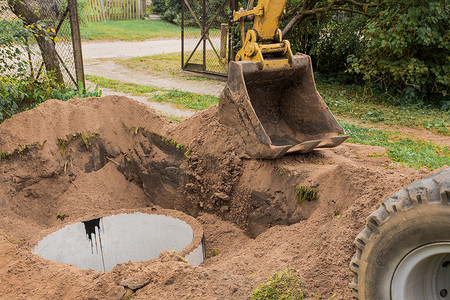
pixel 278 111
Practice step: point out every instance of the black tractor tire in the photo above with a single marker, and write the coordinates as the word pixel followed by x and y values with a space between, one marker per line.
pixel 403 253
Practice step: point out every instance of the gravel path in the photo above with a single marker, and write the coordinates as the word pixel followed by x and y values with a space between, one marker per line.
pixel 98 60
pixel 123 49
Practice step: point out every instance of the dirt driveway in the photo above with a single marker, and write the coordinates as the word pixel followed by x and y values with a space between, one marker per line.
pixel 99 61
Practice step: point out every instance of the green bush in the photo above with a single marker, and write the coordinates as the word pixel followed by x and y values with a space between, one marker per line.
pixel 13 41
pixel 20 94
pixel 170 10
pixel 406 50
pixel 329 39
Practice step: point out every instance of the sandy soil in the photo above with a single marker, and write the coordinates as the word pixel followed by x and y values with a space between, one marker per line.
pixel 247 207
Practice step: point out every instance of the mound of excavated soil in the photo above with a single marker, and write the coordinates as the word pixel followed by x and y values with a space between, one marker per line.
pixel 86 158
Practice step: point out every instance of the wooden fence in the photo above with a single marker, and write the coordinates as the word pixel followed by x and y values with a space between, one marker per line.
pixel 102 10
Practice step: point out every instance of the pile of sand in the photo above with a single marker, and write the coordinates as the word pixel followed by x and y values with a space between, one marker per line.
pixel 112 155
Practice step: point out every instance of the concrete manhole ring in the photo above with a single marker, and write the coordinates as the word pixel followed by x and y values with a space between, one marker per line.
pixel 101 243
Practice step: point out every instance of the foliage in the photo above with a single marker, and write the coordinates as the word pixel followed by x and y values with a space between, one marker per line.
pixel 358 103
pixel 399 47
pixel 406 49
pixel 19 94
pixel 13 42
pixel 85 139
pixel 285 285
pixel 170 10
pixel 61 216
pixel 329 39
pixel 42 28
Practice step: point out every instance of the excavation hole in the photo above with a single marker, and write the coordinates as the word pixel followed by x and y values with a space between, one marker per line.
pixel 102 243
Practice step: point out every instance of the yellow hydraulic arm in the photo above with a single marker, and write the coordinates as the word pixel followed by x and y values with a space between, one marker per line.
pixel 264 44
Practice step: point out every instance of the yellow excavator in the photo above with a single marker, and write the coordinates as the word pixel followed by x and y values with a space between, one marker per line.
pixel 271 97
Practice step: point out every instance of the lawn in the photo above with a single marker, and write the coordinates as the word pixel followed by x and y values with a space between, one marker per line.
pixel 132 30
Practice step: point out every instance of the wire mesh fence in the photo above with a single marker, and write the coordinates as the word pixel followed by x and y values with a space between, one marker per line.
pixel 206 38
pixel 38 33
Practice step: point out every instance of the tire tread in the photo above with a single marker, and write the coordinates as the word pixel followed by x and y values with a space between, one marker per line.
pixel 434 189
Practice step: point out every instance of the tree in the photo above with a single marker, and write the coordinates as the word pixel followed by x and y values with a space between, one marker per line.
pixel 44 37
pixel 406 47
pixel 300 10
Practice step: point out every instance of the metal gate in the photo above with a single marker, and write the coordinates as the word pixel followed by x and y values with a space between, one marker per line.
pixel 206 36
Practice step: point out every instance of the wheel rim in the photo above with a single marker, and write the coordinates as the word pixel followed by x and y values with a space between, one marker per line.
pixel 424 273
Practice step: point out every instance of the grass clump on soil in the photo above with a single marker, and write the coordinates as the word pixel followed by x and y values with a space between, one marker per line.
pixel 61 216
pixel 22 149
pixel 303 193
pixel 285 285
pixel 415 153
pixel 179 98
pixel 213 252
pixel 130 30
pixel 85 140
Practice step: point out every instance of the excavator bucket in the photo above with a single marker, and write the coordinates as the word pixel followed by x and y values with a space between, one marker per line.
pixel 277 111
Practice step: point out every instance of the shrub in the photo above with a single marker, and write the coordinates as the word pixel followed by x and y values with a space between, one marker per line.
pixel 19 94
pixel 406 50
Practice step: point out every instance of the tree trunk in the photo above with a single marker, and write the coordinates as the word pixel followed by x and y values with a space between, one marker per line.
pixel 45 43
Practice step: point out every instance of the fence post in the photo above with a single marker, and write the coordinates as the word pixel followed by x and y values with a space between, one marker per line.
pixel 204 33
pixel 182 34
pixel 138 9
pixel 76 42
pixel 143 8
pixel 102 4
pixel 223 40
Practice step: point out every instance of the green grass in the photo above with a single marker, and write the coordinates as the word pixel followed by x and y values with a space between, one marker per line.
pixel 131 30
pixel 352 101
pixel 168 64
pixel 186 99
pixel 412 152
pixel 285 285
pixel 415 153
pixel 118 86
pixel 179 98
pixel 304 193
